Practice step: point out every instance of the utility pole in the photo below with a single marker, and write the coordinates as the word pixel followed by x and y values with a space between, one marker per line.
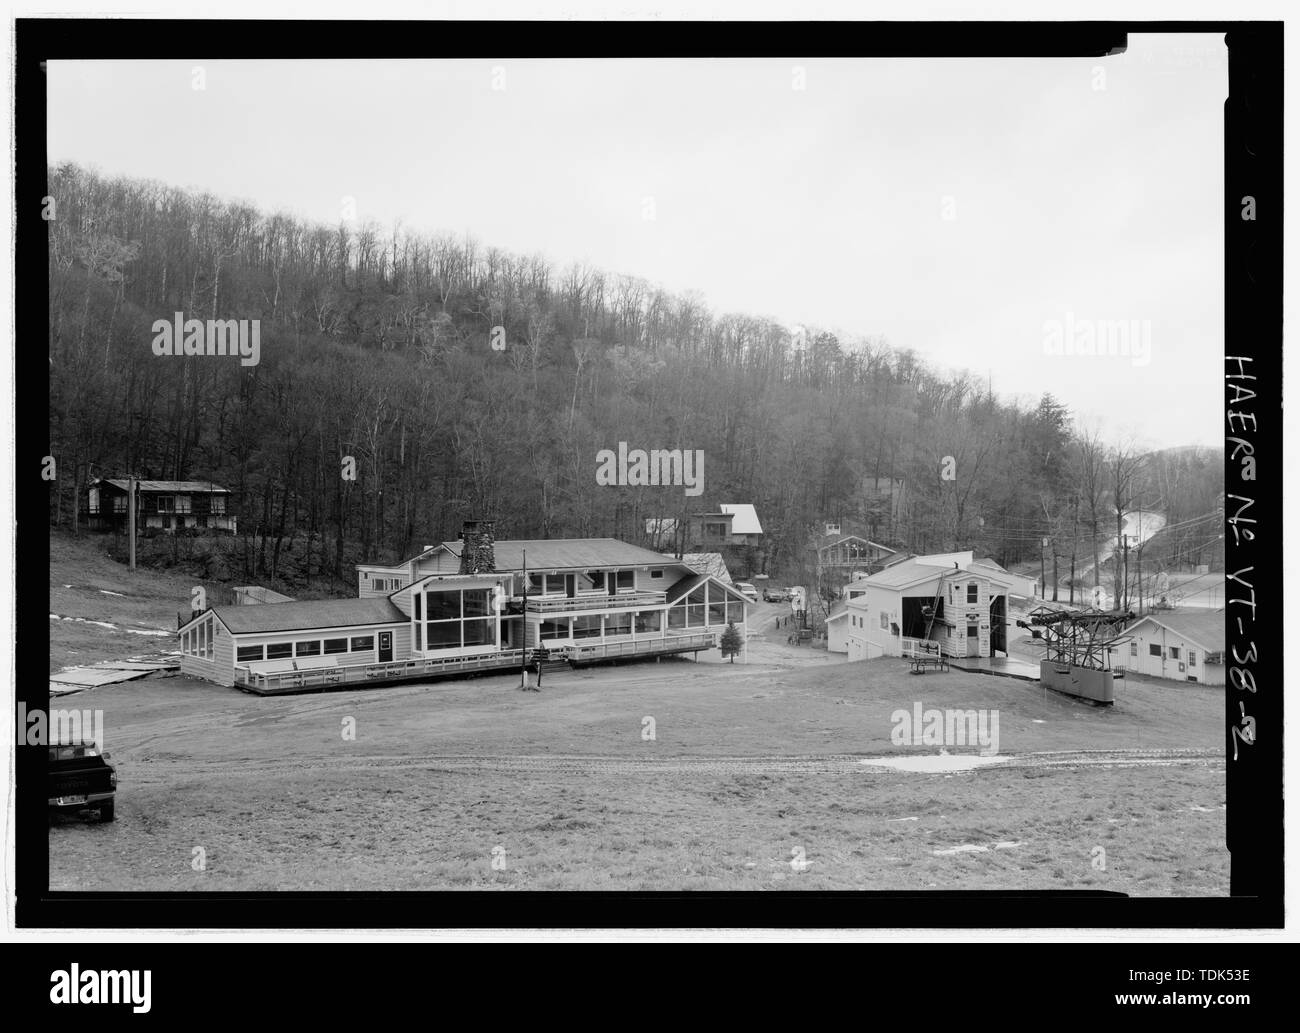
pixel 130 517
pixel 1139 563
pixel 1042 567
pixel 1126 597
pixel 523 639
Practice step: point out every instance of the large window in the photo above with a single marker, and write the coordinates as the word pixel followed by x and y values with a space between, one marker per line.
pixel 363 643
pixel 120 503
pixel 587 626
pixel 444 606
pixel 973 593
pixel 279 650
pixel 546 584
pixel 307 648
pixel 182 504
pixel 554 628
pixel 245 654
pixel 626 580
pixel 166 503
pixel 443 635
pixel 1154 650
pixel 336 645
pixel 677 616
pixel 618 624
pixel 649 620
pixel 695 603
pixel 455 619
pixel 217 505
pixel 717 604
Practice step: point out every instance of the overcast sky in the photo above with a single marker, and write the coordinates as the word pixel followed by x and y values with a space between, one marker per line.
pixel 953 207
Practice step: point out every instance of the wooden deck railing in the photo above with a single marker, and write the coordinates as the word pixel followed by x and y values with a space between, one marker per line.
pixel 579 603
pixel 356 674
pixel 646 646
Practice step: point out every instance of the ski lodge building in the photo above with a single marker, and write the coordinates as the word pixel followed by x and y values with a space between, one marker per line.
pixel 947 603
pixel 467 606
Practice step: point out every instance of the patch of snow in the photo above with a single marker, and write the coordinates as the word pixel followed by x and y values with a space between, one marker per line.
pixel 971 848
pixel 105 591
pixel 903 819
pixel 135 631
pixel 82 620
pixel 934 765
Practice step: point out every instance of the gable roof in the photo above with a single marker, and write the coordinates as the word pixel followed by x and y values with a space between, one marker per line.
pixel 453 580
pixel 706 563
pixel 827 540
pixel 183 486
pixel 745 518
pixel 915 570
pixel 1208 629
pixel 693 581
pixel 267 618
pixel 567 554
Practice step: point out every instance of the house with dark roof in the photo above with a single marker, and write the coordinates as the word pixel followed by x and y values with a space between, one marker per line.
pixel 160 506
pixel 1184 645
pixel 949 603
pixel 466 606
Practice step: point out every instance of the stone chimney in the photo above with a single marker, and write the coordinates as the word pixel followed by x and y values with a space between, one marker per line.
pixel 476 554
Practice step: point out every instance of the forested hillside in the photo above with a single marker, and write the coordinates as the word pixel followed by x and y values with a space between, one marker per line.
pixel 376 343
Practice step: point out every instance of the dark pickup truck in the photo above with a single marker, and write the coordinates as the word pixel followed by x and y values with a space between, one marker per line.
pixel 81 778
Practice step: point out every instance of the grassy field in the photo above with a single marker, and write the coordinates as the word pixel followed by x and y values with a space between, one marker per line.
pixel 752 769
pixel 100 610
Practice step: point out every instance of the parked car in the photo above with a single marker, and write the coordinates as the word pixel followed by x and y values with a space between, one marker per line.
pixel 776 595
pixel 81 778
pixel 747 590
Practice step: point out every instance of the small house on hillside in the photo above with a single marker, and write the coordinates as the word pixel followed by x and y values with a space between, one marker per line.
pixel 1186 645
pixel 949 603
pixel 842 558
pixel 732 524
pixel 166 506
